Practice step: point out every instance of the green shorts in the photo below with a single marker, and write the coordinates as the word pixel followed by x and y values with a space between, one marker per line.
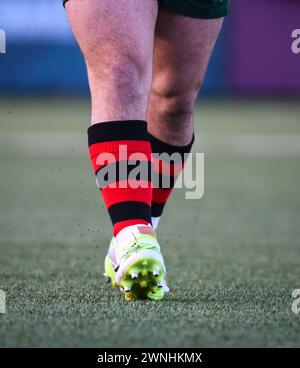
pixel 205 9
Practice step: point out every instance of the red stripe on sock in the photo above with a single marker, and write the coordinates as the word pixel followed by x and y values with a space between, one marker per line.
pixel 110 152
pixel 167 168
pixel 116 195
pixel 121 225
pixel 161 195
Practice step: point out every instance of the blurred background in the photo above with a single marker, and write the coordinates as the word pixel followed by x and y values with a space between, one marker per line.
pixel 241 238
pixel 253 55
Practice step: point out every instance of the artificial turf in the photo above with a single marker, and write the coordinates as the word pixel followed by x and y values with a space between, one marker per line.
pixel 233 256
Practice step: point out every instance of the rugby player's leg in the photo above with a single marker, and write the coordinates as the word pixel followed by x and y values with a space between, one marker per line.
pixel 183 47
pixel 116 38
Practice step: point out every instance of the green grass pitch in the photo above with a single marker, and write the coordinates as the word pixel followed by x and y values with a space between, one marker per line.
pixel 233 257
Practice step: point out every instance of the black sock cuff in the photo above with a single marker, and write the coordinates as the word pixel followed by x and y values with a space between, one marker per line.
pixel 157 209
pixel 118 131
pixel 159 146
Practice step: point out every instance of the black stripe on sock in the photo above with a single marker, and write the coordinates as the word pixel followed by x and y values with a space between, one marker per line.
pixel 118 131
pixel 114 173
pixel 157 209
pixel 121 170
pixel 176 158
pixel 159 147
pixel 129 210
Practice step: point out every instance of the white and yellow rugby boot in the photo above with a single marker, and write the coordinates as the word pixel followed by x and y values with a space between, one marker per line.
pixel 135 264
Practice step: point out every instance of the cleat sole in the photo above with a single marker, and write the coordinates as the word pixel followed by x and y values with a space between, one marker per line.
pixel 156 273
pixel 129 296
pixel 134 276
pixel 143 279
pixel 145 285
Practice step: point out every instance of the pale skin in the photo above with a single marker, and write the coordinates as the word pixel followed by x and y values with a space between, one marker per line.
pixel 143 62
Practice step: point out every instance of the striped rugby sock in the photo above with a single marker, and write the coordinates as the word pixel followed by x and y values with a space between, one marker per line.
pixel 118 151
pixel 166 171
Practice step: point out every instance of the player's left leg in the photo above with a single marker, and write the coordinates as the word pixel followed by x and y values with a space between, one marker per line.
pixel 183 47
pixel 116 39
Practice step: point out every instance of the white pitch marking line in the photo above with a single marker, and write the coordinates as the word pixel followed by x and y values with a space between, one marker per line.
pixel 75 143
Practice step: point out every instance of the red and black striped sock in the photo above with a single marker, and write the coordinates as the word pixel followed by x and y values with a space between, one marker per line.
pixel 120 152
pixel 168 162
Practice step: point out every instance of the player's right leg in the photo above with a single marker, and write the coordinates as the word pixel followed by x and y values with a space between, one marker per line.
pixel 182 49
pixel 116 38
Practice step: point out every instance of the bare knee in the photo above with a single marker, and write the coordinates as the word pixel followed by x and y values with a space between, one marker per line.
pixel 173 97
pixel 174 107
pixel 113 60
pixel 119 79
pixel 170 116
pixel 119 89
pixel 124 75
